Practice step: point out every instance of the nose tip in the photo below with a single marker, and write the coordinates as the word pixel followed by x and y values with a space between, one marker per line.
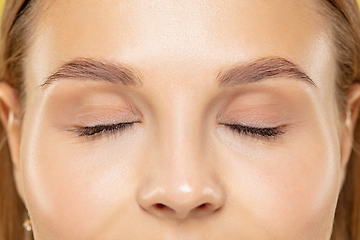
pixel 181 202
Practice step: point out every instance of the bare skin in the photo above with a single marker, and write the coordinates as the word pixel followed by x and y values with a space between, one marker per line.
pixel 203 153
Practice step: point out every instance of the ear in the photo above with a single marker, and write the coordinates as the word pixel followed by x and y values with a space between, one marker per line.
pixel 10 116
pixel 348 128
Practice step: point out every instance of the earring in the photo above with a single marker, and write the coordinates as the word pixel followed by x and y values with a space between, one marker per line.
pixel 27 225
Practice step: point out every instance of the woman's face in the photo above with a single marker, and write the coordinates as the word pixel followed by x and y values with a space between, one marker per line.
pixel 180 120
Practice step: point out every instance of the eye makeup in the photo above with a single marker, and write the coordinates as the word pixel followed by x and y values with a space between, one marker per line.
pixel 97 130
pixel 101 114
pixel 257 132
pixel 265 122
pixel 98 120
pixel 262 114
pixel 91 109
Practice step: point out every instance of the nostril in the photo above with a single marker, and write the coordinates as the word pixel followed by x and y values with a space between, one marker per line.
pixel 205 208
pixel 160 206
pixel 182 213
pixel 164 210
pixel 202 206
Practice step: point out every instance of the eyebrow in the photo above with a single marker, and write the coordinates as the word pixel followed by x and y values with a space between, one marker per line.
pixel 86 69
pixel 257 70
pixel 260 69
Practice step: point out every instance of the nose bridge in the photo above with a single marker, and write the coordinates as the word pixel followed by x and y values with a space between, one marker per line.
pixel 182 181
pixel 183 148
pixel 181 139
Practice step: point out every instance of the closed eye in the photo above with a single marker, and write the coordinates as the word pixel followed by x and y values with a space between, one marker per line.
pixel 256 132
pixel 98 130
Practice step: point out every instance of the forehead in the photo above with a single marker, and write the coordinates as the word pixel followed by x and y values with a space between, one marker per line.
pixel 157 32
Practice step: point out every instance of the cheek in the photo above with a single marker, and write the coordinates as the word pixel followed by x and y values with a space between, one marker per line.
pixel 291 190
pixel 77 183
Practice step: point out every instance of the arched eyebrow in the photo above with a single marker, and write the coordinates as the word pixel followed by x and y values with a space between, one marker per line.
pixel 264 68
pixel 90 69
pixel 260 69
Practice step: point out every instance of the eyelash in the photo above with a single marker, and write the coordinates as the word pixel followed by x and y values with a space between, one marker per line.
pixel 267 133
pixel 101 129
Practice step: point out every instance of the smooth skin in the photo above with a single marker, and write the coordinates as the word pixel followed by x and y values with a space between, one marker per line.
pixel 179 170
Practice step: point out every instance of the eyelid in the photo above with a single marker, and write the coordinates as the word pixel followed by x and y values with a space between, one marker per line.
pixel 258 132
pixel 260 107
pixel 105 115
pixel 98 130
pixel 255 117
pixel 249 122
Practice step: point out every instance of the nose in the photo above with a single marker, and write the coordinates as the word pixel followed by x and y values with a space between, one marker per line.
pixel 170 199
pixel 183 178
pixel 181 182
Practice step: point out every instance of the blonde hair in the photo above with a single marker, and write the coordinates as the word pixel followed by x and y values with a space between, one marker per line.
pixel 18 22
